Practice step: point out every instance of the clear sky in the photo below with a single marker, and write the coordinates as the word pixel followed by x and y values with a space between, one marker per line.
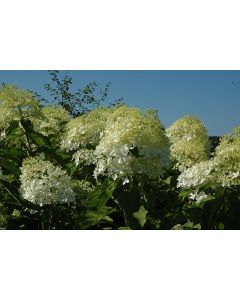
pixel 213 96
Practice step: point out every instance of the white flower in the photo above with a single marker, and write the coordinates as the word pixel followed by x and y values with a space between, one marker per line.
pixel 15 104
pixel 51 120
pixel 222 170
pixel 85 130
pixel 189 142
pixel 198 197
pixel 133 143
pixel 43 183
pixel 200 173
pixel 227 158
pixel 126 180
pixel 235 174
pixel 84 156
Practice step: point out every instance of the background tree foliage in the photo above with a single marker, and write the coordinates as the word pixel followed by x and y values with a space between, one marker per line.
pixel 76 102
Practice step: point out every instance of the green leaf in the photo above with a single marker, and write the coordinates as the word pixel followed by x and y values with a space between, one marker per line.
pixel 11 153
pixel 14 126
pixel 221 226
pixel 91 218
pixel 202 202
pixel 184 194
pixel 130 203
pixel 177 227
pixel 108 219
pixel 187 226
pixel 16 213
pixel 12 191
pixel 140 216
pixel 168 180
pixel 63 154
pixel 102 193
pixel 71 168
pixel 39 139
pixel 9 166
pixel 171 182
pixel 27 125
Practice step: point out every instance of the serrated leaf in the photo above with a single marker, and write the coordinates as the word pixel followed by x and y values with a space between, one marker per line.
pixel 102 193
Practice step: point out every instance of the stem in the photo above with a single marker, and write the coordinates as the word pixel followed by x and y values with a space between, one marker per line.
pixel 29 149
pixel 42 217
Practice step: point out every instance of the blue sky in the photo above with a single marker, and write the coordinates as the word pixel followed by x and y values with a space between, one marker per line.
pixel 213 96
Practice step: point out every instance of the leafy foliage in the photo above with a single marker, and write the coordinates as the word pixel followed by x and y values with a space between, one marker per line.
pixel 75 102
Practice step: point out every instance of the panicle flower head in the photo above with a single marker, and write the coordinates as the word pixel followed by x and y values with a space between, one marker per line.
pixel 222 170
pixel 44 183
pixel 227 159
pixel 51 120
pixel 133 143
pixel 236 132
pixel 200 173
pixel 18 103
pixel 187 128
pixel 85 130
pixel 189 142
pixel 6 116
pixel 187 154
pixel 15 104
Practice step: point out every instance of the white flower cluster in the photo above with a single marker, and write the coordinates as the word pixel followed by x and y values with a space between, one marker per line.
pixel 189 142
pixel 6 116
pixel 84 156
pixel 236 132
pixel 85 130
pixel 200 173
pixel 51 120
pixel 198 196
pixel 82 188
pixel 43 183
pixel 227 160
pixel 223 169
pixel 16 103
pixel 133 143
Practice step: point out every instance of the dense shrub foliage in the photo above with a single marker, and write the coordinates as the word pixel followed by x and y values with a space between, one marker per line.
pixel 112 168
